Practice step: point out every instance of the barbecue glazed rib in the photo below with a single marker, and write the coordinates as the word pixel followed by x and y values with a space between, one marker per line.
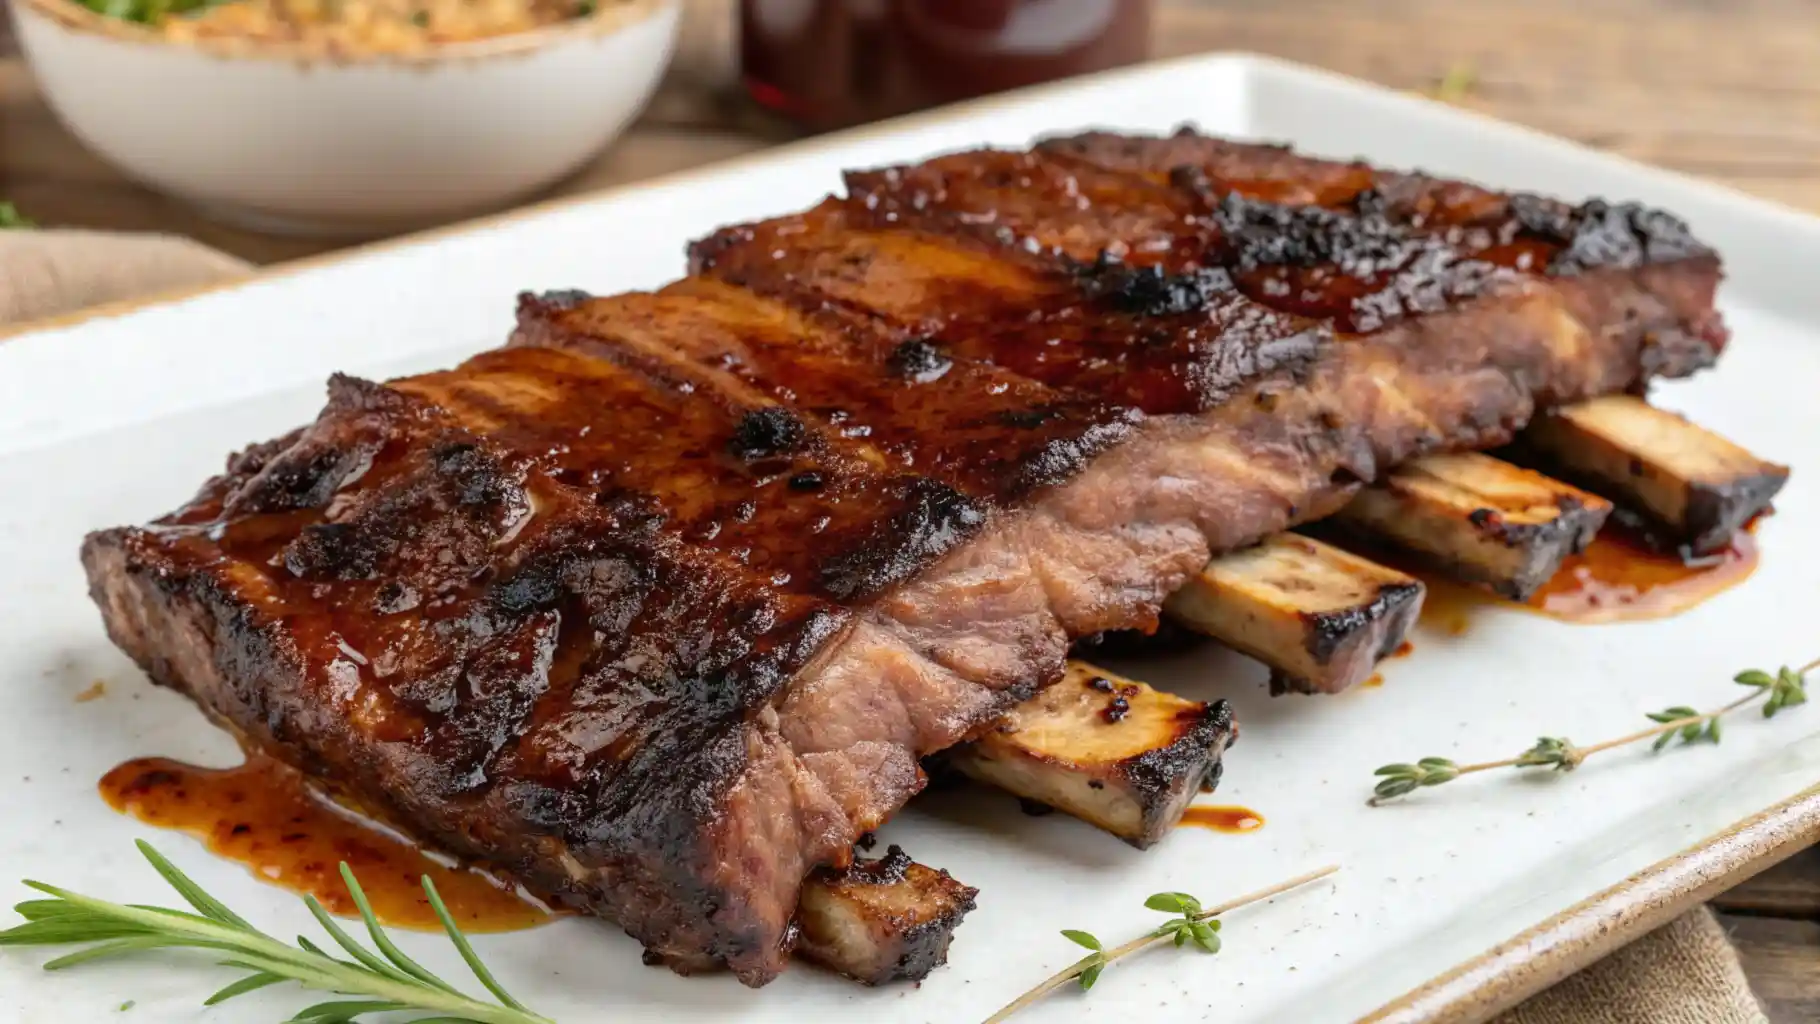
pixel 657 608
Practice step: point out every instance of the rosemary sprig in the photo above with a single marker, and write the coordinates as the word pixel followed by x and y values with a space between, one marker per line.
pixel 1785 688
pixel 1193 923
pixel 383 982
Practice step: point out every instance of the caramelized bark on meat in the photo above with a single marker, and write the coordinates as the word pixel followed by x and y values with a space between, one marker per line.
pixel 657 608
pixel 932 278
pixel 884 920
pixel 1622 265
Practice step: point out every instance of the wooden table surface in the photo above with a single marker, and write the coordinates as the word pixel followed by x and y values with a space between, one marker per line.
pixel 1726 89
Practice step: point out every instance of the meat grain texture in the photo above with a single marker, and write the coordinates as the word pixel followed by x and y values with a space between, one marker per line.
pixel 656 608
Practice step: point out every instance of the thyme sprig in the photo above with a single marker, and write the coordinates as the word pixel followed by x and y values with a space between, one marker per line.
pixel 1193 923
pixel 1785 688
pixel 384 982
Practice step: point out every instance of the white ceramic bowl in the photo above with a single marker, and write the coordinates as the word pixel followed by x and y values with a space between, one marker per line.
pixel 273 138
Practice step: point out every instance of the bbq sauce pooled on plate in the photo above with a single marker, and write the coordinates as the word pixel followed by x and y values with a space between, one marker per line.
pixel 263 816
pixel 1620 577
pixel 1221 818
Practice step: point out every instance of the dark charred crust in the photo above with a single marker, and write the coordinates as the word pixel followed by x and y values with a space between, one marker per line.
pixel 1406 273
pixel 1712 518
pixel 1716 513
pixel 1060 459
pixel 1263 234
pixel 456 500
pixel 247 462
pixel 1376 627
pixel 1207 732
pixel 879 922
pixel 333 551
pixel 530 303
pixel 919 360
pixel 306 481
pixel 1192 764
pixel 1544 545
pixel 887 870
pixel 478 479
pixel 632 511
pixel 937 519
pixel 1496 528
pixel 1149 290
pixel 926 944
pixel 1128 329
pixel 304 470
pixel 1597 234
pixel 1710 513
pixel 1328 632
pixel 768 433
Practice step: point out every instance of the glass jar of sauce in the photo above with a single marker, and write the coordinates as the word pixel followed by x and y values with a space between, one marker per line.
pixel 828 63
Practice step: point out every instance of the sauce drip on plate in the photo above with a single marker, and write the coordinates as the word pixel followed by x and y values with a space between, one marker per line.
pixel 1450 607
pixel 1620 578
pixel 1222 818
pixel 1403 651
pixel 262 815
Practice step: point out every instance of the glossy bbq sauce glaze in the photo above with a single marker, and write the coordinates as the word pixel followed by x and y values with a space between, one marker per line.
pixel 1222 818
pixel 1621 578
pixel 261 815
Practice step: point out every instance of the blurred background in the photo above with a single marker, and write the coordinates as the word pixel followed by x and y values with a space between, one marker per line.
pixel 1726 89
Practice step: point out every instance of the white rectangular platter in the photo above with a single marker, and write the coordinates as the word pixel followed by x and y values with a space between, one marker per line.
pixel 116 419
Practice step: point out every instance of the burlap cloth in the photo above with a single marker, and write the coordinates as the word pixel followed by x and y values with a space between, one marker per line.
pixel 1684 973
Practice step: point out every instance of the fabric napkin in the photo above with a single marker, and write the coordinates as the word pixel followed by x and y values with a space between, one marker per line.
pixel 44 273
pixel 1684 973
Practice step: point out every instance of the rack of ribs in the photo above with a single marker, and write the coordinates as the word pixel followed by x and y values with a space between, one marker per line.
pixel 657 608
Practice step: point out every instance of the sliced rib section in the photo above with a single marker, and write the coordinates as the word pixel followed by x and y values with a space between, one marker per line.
pixel 657 608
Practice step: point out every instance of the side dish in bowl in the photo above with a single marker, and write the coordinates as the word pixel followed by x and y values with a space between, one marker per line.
pixel 348 116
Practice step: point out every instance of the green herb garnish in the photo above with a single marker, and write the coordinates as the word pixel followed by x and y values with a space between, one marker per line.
pixel 1786 688
pixel 383 982
pixel 147 12
pixel 10 217
pixel 1193 923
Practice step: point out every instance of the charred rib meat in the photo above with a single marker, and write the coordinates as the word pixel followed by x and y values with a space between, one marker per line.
pixel 656 608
